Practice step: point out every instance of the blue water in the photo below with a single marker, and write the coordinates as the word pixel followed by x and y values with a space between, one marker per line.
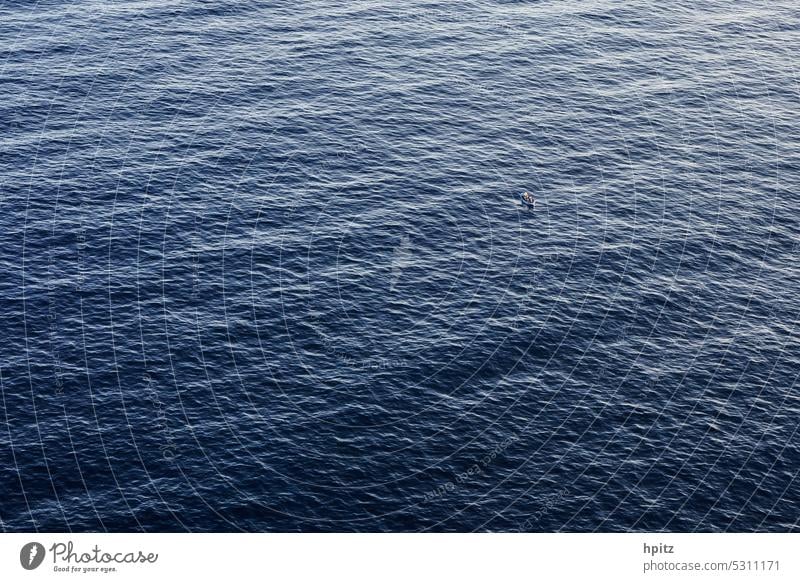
pixel 264 267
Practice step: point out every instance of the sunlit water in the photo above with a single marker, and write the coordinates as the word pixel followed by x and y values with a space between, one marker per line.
pixel 264 266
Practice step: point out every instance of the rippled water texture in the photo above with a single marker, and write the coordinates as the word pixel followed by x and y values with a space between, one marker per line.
pixel 264 266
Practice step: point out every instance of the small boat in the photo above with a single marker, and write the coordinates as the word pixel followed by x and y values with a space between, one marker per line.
pixel 527 200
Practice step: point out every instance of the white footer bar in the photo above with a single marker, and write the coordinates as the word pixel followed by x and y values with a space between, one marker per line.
pixel 388 557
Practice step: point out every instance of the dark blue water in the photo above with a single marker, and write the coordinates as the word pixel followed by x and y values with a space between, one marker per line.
pixel 263 266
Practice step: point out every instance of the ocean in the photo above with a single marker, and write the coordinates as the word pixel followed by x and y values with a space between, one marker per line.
pixel 264 266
